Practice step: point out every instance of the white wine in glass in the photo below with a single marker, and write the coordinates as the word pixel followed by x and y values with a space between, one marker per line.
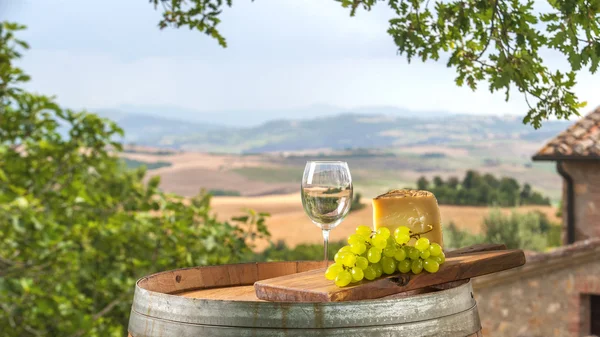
pixel 326 194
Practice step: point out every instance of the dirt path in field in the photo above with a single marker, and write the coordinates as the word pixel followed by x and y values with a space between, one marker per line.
pixel 288 221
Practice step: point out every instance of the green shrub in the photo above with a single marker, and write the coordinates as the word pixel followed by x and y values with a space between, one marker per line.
pixel 457 238
pixel 356 204
pixel 526 231
pixel 554 236
pixel 531 231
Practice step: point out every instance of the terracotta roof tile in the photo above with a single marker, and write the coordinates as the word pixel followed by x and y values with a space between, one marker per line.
pixel 580 141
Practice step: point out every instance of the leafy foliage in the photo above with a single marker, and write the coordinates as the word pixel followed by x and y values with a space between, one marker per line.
pixel 202 15
pixel 495 41
pixel 77 227
pixel 532 231
pixel 482 190
pixel 457 238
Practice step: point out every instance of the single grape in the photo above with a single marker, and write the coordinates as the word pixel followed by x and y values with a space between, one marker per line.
pixel 343 279
pixel 358 248
pixel 374 255
pixel 443 257
pixel 436 259
pixel 422 244
pixel 414 253
pixel 363 231
pixel 388 265
pixel 357 274
pixel 378 269
pixel 391 241
pixel 345 249
pixel 383 231
pixel 390 251
pixel 425 254
pixel 362 262
pixel 370 273
pixel 379 241
pixel 349 260
pixel 400 254
pixel 403 230
pixel 341 256
pixel 404 266
pixel 431 266
pixel 416 266
pixel 435 249
pixel 355 238
pixel 401 238
pixel 332 271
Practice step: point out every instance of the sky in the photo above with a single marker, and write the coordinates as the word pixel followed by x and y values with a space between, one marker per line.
pixel 282 54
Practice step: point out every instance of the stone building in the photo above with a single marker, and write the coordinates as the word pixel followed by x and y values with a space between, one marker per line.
pixel 556 293
pixel 577 155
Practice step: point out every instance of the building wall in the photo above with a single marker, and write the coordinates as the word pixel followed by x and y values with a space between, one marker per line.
pixel 550 300
pixel 586 180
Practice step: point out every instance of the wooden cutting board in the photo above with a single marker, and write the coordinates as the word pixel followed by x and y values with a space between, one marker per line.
pixel 465 263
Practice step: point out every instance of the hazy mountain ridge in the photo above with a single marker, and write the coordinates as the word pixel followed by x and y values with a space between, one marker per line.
pixel 362 131
pixel 150 129
pixel 252 118
pixel 340 131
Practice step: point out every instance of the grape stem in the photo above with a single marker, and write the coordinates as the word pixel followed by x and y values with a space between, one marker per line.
pixel 418 235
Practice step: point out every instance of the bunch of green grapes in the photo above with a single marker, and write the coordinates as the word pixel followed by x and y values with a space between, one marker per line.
pixel 369 255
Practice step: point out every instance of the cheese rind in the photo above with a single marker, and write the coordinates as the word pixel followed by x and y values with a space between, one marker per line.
pixel 414 209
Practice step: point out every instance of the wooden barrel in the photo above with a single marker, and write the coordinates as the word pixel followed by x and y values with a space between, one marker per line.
pixel 220 301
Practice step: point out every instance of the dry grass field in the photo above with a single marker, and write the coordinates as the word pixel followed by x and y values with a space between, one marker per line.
pixel 289 223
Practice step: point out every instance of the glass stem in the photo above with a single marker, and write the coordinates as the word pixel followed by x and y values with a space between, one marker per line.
pixel 326 243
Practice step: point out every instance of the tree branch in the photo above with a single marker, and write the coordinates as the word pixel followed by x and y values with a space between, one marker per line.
pixel 29 267
pixel 491 30
pixel 527 100
pixel 32 330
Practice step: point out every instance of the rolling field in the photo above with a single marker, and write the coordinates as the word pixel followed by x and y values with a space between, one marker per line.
pixel 269 182
pixel 289 223
pixel 373 172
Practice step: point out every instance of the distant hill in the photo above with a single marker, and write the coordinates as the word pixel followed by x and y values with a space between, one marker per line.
pixel 350 130
pixel 377 127
pixel 150 129
pixel 253 118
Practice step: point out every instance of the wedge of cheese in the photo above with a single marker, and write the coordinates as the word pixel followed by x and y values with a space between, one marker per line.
pixel 412 208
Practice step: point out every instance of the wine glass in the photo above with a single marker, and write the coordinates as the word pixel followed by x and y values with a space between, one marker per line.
pixel 326 194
